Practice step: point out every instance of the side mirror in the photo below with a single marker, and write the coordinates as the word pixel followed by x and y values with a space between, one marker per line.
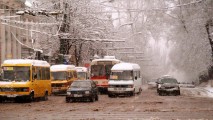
pixel 136 77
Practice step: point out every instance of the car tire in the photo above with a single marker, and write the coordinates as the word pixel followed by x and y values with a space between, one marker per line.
pixel 67 100
pixel 160 93
pixel 92 99
pixel 96 97
pixel 178 93
pixel 110 95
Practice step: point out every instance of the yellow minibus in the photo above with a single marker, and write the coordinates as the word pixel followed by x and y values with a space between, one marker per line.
pixel 61 77
pixel 25 80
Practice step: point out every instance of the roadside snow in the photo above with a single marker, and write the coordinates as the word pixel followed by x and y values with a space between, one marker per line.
pixel 200 91
pixel 209 90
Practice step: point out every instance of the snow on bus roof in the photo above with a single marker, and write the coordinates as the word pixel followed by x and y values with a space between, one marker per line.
pixel 26 61
pixel 62 67
pixel 81 69
pixel 126 66
pixel 105 59
pixel 109 57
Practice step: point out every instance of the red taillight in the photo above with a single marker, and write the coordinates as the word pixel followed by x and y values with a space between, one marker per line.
pixel 66 84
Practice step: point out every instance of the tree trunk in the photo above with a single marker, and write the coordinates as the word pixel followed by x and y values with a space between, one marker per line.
pixel 208 25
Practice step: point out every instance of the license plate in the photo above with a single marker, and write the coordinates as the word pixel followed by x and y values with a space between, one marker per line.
pixel 55 90
pixel 120 89
pixel 77 95
pixel 11 96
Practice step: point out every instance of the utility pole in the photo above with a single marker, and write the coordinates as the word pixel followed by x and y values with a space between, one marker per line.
pixel 64 43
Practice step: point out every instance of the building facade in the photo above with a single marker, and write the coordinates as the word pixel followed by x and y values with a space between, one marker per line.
pixel 14 35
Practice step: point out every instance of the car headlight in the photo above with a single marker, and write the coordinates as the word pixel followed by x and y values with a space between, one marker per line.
pixel 87 92
pixel 68 93
pixel 159 85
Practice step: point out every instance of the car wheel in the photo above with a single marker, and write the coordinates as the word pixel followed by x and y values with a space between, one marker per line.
pixel 178 93
pixel 92 99
pixel 67 100
pixel 160 93
pixel 110 95
pixel 96 98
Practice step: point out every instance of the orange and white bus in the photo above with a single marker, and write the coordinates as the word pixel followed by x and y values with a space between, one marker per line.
pixel 100 70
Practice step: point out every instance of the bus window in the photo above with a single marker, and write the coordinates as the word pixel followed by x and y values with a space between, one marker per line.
pixel 97 70
pixel 108 70
pixel 16 73
pixel 122 75
pixel 59 75
pixel 75 74
pixel 47 73
pixel 38 73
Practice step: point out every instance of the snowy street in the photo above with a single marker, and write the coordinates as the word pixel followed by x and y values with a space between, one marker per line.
pixel 193 103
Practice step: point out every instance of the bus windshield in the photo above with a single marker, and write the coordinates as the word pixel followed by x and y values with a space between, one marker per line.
pixel 59 75
pixel 121 75
pixel 97 70
pixel 16 73
pixel 81 75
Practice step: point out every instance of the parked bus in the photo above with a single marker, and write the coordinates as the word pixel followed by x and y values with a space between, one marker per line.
pixel 62 76
pixel 100 71
pixel 25 80
pixel 82 73
pixel 125 79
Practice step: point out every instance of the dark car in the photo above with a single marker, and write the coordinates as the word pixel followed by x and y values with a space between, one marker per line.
pixel 168 85
pixel 82 90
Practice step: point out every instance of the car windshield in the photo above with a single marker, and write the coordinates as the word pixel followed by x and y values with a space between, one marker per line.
pixel 59 75
pixel 121 75
pixel 169 80
pixel 81 84
pixel 16 73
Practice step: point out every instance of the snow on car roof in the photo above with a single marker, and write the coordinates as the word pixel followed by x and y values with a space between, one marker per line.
pixel 62 67
pixel 81 69
pixel 109 57
pixel 126 66
pixel 26 61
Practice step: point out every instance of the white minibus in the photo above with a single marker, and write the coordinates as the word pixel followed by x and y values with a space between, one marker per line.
pixel 125 79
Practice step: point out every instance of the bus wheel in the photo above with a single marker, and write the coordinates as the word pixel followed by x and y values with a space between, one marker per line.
pixel 140 90
pixel 45 98
pixel 31 97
